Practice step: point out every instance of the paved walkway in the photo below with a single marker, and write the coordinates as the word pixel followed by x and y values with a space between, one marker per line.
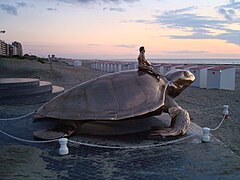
pixel 188 158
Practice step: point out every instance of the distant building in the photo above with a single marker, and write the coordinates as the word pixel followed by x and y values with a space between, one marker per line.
pixel 52 57
pixel 3 48
pixel 19 50
pixel 10 49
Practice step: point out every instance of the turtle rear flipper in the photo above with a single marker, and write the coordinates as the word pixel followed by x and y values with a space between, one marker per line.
pixel 58 132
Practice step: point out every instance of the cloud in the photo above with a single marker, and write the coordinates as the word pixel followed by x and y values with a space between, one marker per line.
pixel 185 52
pixel 97 1
pixel 114 9
pixel 76 1
pixel 92 44
pixel 201 27
pixel 21 4
pixel 182 20
pixel 51 9
pixel 119 1
pixel 231 36
pixel 9 9
pixel 126 46
pixel 233 4
pixel 108 5
pixel 228 11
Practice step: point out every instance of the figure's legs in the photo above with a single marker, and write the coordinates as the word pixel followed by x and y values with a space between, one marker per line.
pixel 180 120
pixel 150 70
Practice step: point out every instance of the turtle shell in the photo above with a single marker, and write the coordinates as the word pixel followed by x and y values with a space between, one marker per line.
pixel 113 96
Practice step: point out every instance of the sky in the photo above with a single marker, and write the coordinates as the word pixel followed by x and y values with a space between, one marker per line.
pixel 115 29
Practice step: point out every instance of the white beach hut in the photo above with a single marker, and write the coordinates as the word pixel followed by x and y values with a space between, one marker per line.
pixel 77 63
pixel 170 67
pixel 125 67
pixel 108 65
pixel 111 67
pixel 104 66
pixel 70 63
pixel 187 67
pixel 221 77
pixel 101 66
pixel 98 65
pixel 94 65
pixel 157 66
pixel 118 67
pixel 133 65
pixel 200 73
pixel 160 67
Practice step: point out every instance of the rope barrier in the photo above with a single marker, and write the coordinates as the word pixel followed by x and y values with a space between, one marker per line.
pixel 63 141
pixel 99 146
pixel 25 140
pixel 131 147
pixel 224 117
pixel 20 117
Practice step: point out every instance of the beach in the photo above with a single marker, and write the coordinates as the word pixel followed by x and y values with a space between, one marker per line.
pixel 200 103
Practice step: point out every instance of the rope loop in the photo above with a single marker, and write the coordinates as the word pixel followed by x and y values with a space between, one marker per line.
pixel 225 114
pixel 131 147
pixel 20 117
pixel 26 140
pixel 224 117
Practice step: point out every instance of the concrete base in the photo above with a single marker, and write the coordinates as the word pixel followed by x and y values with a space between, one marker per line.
pixel 15 91
pixel 6 83
pixel 184 159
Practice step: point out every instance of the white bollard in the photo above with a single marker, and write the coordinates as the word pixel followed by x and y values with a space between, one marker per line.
pixel 225 111
pixel 63 150
pixel 206 137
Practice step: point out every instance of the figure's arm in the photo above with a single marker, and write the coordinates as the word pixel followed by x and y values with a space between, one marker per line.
pixel 148 62
pixel 145 60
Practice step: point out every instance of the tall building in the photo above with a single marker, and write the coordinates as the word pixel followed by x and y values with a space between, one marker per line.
pixel 3 48
pixel 10 49
pixel 18 45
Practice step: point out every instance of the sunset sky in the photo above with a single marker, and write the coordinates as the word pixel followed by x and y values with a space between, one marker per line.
pixel 116 28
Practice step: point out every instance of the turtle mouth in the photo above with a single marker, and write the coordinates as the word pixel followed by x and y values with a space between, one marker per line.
pixel 174 85
pixel 175 88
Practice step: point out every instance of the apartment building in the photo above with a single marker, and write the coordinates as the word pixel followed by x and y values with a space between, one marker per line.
pixel 18 46
pixel 10 49
pixel 3 48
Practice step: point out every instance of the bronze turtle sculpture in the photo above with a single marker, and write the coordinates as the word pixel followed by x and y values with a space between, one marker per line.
pixel 119 96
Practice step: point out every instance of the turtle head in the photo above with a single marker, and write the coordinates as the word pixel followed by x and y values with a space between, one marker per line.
pixel 178 81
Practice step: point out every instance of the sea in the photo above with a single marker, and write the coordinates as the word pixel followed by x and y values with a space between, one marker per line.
pixel 186 61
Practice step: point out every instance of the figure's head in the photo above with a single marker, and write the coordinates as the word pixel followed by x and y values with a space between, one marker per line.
pixel 141 49
pixel 178 81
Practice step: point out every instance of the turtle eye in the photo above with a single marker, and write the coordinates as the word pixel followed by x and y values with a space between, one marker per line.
pixel 185 73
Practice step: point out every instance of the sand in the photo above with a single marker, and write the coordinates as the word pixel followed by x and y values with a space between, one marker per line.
pixel 195 100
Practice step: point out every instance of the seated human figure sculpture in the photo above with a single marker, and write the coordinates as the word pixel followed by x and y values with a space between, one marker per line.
pixel 145 66
pixel 118 96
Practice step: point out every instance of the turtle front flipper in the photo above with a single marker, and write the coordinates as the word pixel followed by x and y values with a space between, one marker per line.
pixel 49 134
pixel 60 130
pixel 179 124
